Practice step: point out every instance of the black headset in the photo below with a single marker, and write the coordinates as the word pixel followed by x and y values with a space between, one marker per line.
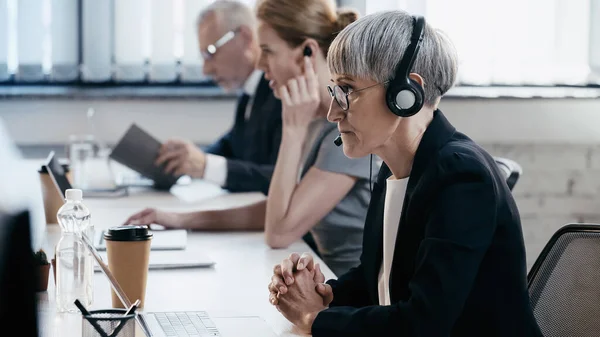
pixel 307 51
pixel 404 96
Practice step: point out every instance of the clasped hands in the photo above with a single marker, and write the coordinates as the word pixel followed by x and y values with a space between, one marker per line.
pixel 298 291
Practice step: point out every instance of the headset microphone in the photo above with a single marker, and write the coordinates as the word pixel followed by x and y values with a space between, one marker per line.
pixel 338 140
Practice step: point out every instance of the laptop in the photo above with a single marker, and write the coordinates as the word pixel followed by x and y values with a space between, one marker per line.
pixel 59 177
pixel 186 323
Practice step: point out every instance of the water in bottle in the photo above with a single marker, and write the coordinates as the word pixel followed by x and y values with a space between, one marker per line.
pixel 74 262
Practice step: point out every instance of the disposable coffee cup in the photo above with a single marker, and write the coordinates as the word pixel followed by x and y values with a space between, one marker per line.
pixel 128 251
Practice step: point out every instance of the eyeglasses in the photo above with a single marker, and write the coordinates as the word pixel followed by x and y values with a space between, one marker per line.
pixel 211 50
pixel 340 94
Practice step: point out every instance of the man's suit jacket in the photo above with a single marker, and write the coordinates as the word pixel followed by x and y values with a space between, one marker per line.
pixel 251 146
pixel 459 261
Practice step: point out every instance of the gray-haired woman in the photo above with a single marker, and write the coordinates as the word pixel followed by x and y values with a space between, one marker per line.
pixel 443 251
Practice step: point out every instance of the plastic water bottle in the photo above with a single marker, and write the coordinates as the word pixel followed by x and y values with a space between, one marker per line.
pixel 74 262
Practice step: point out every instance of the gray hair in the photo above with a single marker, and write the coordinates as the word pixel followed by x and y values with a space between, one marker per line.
pixel 372 47
pixel 231 14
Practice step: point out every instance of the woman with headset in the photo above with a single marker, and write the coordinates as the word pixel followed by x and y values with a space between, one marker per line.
pixel 443 251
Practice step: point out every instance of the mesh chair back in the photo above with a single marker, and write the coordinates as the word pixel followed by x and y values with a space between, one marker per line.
pixel 564 283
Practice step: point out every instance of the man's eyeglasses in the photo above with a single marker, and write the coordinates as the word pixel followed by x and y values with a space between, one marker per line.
pixel 211 50
pixel 340 94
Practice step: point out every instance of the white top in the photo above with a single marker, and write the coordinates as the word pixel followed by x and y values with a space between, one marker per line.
pixel 216 166
pixel 394 200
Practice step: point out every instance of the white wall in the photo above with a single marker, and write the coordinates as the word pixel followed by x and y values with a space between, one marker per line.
pixel 50 121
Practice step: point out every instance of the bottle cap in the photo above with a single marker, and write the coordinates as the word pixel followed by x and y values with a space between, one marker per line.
pixel 74 195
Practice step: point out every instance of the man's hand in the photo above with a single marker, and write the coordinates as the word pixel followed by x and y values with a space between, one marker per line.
pixel 182 158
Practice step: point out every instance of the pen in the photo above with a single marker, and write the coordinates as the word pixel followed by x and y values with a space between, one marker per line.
pixel 129 311
pixel 133 307
pixel 88 316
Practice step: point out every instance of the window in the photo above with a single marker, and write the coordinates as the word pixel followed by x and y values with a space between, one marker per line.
pixel 514 42
pixel 107 41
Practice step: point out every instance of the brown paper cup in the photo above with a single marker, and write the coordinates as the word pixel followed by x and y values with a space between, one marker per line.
pixel 128 262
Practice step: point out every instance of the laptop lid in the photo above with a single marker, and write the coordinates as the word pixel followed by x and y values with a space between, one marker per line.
pixel 58 174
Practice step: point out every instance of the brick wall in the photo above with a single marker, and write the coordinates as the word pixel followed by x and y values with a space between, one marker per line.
pixel 560 185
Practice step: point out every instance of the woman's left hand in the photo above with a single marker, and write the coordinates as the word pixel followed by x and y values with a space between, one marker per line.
pixel 300 98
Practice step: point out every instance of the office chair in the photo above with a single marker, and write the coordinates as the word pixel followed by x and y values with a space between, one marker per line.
pixel 511 169
pixel 564 283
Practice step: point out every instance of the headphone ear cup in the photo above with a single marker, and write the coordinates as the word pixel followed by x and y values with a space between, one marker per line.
pixel 405 100
pixel 390 98
pixel 419 95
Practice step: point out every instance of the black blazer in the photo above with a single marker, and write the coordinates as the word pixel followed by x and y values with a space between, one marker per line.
pixel 251 146
pixel 459 263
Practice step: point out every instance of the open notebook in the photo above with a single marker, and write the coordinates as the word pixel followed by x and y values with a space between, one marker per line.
pixel 138 150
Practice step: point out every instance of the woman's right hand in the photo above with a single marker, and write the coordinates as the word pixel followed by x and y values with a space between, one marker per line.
pixel 300 98
pixel 153 216
pixel 283 275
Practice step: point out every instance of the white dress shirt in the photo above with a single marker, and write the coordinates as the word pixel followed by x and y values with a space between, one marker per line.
pixel 216 166
pixel 394 200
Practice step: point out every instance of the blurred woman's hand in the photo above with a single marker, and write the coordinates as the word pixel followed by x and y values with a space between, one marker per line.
pixel 151 216
pixel 300 99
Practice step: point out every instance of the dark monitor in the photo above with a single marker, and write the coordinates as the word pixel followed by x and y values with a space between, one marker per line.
pixel 18 276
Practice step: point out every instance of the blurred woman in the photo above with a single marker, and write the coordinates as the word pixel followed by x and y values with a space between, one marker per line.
pixel 314 187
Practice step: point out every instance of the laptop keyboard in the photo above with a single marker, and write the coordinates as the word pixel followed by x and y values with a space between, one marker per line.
pixel 184 324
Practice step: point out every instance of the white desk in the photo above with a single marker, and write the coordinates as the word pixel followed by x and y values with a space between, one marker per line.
pixel 236 285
